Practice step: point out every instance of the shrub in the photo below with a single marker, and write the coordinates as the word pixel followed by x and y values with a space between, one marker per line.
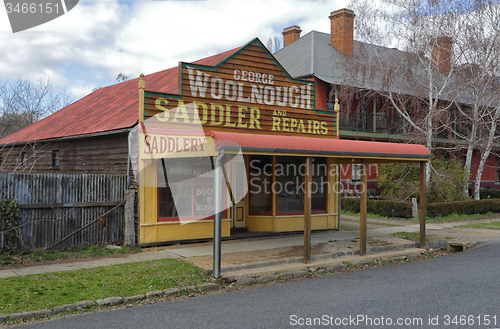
pixel 403 209
pixel 11 221
pixel 402 181
pixel 467 207
pixel 489 194
pixel 381 207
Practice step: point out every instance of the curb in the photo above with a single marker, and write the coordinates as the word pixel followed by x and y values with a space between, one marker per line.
pixel 441 244
pixel 105 302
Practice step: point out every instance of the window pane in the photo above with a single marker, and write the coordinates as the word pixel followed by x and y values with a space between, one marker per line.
pixel 260 183
pixel 289 184
pixel 166 205
pixel 318 184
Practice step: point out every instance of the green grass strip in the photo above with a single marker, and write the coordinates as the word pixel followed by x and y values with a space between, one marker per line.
pixel 39 291
pixel 488 226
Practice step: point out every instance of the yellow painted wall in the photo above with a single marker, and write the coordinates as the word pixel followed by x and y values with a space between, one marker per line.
pixel 195 230
pixel 260 223
pixel 148 201
pixel 286 223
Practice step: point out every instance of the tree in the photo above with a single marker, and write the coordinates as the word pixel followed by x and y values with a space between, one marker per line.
pixel 480 45
pixel 23 102
pixel 418 82
pixel 274 44
pixel 120 77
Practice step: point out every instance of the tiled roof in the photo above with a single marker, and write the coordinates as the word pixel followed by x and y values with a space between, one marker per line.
pixel 106 109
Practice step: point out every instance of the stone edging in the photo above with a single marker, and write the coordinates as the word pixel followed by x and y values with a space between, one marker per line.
pixel 441 244
pixel 110 301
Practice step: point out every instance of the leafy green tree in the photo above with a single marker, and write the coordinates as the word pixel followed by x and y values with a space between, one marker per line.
pixel 401 181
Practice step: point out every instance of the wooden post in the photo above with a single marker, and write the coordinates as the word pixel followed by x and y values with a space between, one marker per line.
pixel 129 229
pixel 336 108
pixel 362 209
pixel 140 162
pixel 307 211
pixel 142 85
pixel 422 204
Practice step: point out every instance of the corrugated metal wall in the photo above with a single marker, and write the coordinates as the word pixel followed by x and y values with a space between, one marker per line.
pixel 53 206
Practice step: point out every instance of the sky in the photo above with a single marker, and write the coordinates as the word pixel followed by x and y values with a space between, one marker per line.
pixel 90 45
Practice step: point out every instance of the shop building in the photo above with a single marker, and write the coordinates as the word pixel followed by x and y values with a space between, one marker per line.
pixel 241 98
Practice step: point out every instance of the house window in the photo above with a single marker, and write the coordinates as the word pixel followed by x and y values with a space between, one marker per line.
pixel 186 189
pixel 260 178
pixel 497 170
pixel 24 159
pixel 331 94
pixel 55 159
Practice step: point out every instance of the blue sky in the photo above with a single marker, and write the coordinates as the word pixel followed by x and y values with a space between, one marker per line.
pixel 88 46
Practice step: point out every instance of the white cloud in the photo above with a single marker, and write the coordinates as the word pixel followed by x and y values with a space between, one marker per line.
pixel 111 37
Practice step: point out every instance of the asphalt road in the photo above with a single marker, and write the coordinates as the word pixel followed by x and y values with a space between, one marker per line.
pixel 421 294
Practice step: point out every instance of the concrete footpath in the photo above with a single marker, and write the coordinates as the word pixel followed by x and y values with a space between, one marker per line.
pixel 254 257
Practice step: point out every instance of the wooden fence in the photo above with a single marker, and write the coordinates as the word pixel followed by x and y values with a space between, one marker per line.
pixel 54 205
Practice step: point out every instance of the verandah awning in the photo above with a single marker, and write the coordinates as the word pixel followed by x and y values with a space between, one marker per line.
pixel 342 148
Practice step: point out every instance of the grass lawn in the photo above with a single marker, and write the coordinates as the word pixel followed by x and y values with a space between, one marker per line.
pixel 488 226
pixel 39 291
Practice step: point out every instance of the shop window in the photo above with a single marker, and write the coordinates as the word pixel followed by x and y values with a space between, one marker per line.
pixel 189 181
pixel 319 179
pixel 289 186
pixel 497 170
pixel 24 159
pixel 55 159
pixel 259 184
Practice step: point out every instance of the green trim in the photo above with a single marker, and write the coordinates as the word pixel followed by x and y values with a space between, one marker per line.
pixel 324 112
pixel 150 93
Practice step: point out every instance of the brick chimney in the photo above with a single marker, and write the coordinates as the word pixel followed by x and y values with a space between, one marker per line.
pixel 441 54
pixel 342 30
pixel 290 34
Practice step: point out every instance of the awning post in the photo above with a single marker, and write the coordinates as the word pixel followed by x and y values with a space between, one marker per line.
pixel 422 204
pixel 217 220
pixel 307 211
pixel 362 209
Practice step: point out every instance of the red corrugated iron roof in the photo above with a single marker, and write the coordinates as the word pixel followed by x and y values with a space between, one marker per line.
pixel 106 109
pixel 320 146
